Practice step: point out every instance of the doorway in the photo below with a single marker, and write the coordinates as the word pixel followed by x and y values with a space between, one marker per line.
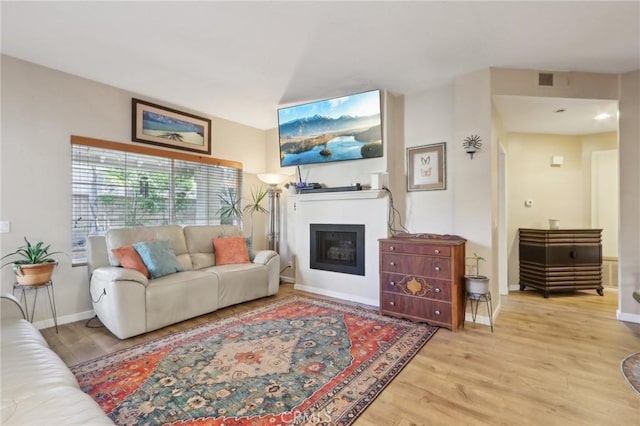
pixel 550 145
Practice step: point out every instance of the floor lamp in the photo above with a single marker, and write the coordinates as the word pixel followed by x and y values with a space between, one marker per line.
pixel 273 226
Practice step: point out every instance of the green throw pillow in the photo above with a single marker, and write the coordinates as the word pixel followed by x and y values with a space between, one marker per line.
pixel 252 255
pixel 158 257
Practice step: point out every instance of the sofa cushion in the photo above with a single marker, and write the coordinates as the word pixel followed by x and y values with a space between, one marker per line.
pixel 240 282
pixel 198 239
pixel 177 297
pixel 118 237
pixel 230 250
pixel 158 257
pixel 129 258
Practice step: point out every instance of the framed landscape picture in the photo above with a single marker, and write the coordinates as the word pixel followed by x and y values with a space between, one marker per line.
pixel 158 125
pixel 426 167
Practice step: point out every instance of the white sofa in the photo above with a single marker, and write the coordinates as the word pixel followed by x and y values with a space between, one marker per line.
pixel 129 304
pixel 37 387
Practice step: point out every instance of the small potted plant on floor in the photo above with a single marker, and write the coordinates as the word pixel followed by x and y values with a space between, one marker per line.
pixel 34 265
pixel 477 284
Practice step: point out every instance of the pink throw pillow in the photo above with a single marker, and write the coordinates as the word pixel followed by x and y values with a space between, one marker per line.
pixel 230 250
pixel 129 258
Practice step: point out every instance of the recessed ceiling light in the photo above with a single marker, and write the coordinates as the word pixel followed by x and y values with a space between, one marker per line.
pixel 602 116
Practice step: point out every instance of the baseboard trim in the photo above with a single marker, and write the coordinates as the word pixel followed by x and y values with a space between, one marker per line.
pixel 289 280
pixel 627 317
pixel 48 323
pixel 337 295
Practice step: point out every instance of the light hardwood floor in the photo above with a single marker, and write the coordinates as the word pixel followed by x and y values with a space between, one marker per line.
pixel 552 361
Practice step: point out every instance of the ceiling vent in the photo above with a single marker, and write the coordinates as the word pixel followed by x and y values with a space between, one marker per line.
pixel 545 79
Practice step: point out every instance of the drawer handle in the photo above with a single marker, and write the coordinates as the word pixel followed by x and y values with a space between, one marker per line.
pixel 392 283
pixel 437 269
pixel 392 303
pixel 392 263
pixel 436 251
pixel 392 248
pixel 437 312
pixel 437 290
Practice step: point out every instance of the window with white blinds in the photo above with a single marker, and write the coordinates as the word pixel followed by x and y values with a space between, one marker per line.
pixel 114 189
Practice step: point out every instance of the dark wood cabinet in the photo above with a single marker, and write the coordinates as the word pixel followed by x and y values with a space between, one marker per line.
pixel 560 259
pixel 422 278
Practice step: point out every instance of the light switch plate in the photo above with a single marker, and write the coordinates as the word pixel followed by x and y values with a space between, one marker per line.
pixel 5 227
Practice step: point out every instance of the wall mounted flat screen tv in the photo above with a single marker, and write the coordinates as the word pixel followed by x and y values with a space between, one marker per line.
pixel 345 128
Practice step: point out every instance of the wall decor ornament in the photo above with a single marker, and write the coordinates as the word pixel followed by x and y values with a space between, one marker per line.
pixel 426 167
pixel 471 144
pixel 158 125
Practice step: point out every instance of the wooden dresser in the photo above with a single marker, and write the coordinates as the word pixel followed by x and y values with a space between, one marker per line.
pixel 422 278
pixel 560 259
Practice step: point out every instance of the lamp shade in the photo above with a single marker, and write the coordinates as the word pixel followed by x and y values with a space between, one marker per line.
pixel 272 178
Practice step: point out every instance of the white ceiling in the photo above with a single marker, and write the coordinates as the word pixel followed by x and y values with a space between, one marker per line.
pixel 242 60
pixel 560 116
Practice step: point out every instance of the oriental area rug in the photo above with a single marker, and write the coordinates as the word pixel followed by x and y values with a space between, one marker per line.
pixel 299 360
pixel 631 370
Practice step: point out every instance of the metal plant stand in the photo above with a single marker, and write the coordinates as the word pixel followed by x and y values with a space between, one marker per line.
pixel 23 299
pixel 475 299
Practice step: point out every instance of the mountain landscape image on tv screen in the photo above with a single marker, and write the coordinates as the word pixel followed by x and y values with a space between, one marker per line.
pixel 345 128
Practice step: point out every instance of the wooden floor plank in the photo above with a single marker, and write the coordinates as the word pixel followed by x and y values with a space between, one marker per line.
pixel 552 361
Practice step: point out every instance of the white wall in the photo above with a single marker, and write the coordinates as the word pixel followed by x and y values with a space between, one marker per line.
pixel 605 201
pixel 428 119
pixel 41 109
pixel 476 179
pixel 629 260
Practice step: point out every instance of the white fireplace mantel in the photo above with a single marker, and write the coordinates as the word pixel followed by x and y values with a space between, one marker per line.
pixel 365 207
pixel 341 195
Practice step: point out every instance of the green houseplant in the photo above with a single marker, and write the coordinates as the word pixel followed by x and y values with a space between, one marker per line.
pixel 258 195
pixel 230 210
pixel 477 284
pixel 34 264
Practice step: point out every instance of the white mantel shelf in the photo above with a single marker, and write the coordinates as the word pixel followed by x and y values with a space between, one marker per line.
pixel 340 195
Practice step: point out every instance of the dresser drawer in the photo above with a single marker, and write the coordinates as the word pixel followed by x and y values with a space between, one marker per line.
pixel 416 308
pixel 416 285
pixel 426 266
pixel 431 250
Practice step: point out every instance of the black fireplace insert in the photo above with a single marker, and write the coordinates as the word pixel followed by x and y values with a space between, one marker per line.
pixel 337 248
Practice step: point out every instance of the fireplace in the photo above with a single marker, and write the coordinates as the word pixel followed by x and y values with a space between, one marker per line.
pixel 337 248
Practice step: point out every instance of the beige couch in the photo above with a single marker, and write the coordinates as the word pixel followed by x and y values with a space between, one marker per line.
pixel 129 304
pixel 37 387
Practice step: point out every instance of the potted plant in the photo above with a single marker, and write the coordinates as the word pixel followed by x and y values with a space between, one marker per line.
pixel 258 195
pixel 230 211
pixel 35 265
pixel 477 284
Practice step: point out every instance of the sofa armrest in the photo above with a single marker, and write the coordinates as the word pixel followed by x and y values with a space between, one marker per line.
pixel 271 260
pixel 118 296
pixel 115 273
pixel 263 256
pixel 10 307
